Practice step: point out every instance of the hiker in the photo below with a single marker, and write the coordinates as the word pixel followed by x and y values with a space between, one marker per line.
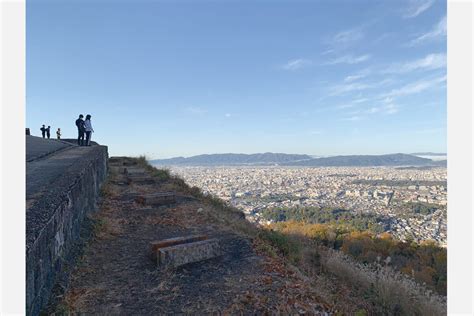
pixel 80 130
pixel 89 129
pixel 48 132
pixel 43 131
pixel 58 133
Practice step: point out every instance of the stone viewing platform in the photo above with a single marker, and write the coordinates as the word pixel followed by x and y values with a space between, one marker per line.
pixel 62 187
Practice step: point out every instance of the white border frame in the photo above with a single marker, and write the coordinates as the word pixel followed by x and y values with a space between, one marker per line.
pixel 12 161
pixel 460 139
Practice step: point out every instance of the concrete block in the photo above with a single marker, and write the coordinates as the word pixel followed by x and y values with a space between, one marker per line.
pixel 176 256
pixel 145 179
pixel 157 199
pixel 156 245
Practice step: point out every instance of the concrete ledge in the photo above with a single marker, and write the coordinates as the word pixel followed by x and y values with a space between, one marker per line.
pixel 61 191
pixel 176 256
pixel 38 147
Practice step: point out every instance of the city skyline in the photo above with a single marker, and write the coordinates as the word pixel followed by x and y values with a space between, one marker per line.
pixel 181 79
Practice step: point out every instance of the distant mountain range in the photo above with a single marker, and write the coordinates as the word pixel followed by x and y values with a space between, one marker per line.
pixel 266 159
pixel 428 154
pixel 233 159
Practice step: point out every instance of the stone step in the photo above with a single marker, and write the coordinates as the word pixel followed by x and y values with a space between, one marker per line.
pixel 178 255
pixel 144 180
pixel 157 199
pixel 156 245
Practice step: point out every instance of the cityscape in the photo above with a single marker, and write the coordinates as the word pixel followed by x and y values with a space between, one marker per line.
pixel 409 202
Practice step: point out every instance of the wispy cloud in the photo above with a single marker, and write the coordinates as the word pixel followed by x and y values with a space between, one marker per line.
pixel 429 62
pixel 348 36
pixel 389 108
pixel 356 86
pixel 352 118
pixel 358 75
pixel 437 32
pixel 296 64
pixel 416 87
pixel 348 59
pixel 227 115
pixel 416 7
pixel 194 110
pixel 352 103
pixel 344 88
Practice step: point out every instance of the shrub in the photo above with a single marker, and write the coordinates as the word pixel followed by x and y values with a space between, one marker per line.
pixel 286 245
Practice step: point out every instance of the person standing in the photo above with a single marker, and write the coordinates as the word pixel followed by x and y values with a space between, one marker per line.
pixel 48 132
pixel 89 129
pixel 43 131
pixel 58 133
pixel 80 130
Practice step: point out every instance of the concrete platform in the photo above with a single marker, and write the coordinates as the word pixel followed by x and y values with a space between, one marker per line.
pixel 37 147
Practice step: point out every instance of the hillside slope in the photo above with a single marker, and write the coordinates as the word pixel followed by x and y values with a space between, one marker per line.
pixel 261 271
pixel 116 275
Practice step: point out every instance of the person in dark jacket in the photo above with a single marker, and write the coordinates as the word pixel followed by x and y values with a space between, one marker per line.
pixel 80 130
pixel 43 131
pixel 48 132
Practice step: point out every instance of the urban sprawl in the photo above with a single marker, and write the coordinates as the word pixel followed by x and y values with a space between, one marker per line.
pixel 388 192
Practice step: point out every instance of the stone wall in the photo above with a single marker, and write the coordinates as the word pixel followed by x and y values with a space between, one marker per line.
pixel 61 213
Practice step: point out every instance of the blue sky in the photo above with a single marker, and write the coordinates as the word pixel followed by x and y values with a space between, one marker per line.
pixel 182 78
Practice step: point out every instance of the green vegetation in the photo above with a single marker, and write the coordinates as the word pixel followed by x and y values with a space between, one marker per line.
pixel 337 216
pixel 286 246
pixel 421 207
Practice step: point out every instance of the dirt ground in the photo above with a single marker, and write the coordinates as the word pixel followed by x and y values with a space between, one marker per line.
pixel 116 275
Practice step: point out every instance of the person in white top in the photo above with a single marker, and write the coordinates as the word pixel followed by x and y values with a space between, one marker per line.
pixel 89 129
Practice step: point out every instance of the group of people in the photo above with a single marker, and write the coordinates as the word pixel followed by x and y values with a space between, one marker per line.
pixel 84 127
pixel 46 132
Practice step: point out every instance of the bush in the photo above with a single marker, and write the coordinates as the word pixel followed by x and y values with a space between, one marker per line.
pixel 286 245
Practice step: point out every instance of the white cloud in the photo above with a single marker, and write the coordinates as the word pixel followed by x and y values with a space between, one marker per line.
pixel 227 115
pixel 353 78
pixel 415 87
pixel 348 36
pixel 352 104
pixel 348 59
pixel 429 62
pixel 384 109
pixel 417 7
pixel 437 32
pixel 352 118
pixel 195 110
pixel 344 88
pixel 356 86
pixel 296 64
pixel 329 51
pixel 360 100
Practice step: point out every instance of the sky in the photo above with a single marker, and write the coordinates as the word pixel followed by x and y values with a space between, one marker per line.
pixel 181 78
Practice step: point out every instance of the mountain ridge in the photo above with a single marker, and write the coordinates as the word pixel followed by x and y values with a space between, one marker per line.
pixel 227 159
